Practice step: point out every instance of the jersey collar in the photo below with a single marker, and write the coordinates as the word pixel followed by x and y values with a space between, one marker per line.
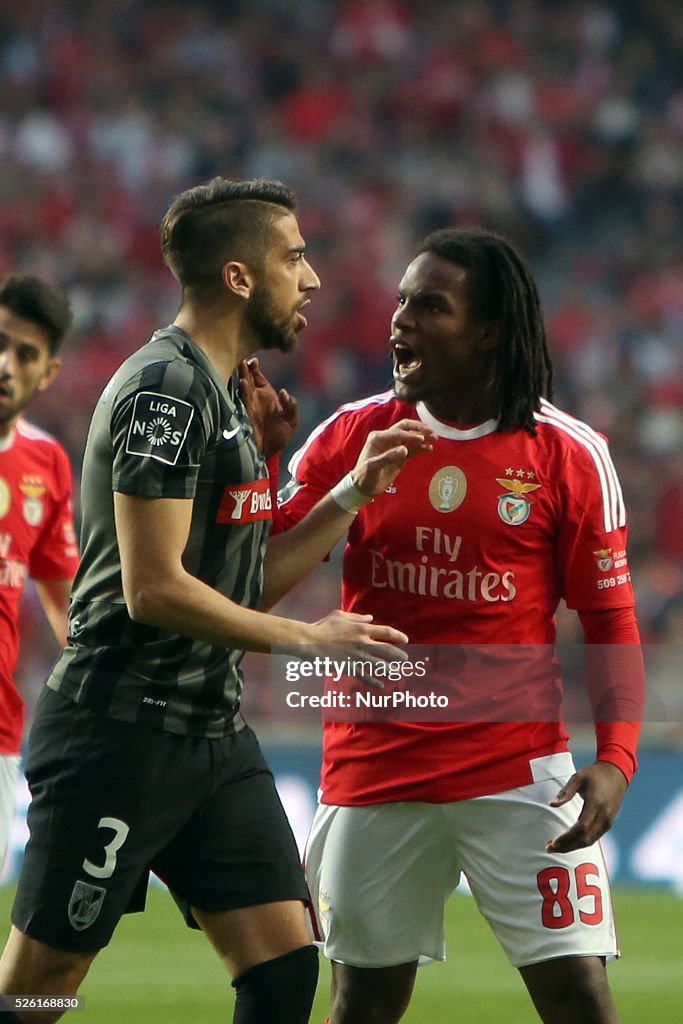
pixel 452 432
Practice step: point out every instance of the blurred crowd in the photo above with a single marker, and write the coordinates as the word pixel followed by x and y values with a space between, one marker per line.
pixel 559 125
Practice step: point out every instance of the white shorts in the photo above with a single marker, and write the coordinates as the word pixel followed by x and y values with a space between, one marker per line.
pixel 380 876
pixel 9 774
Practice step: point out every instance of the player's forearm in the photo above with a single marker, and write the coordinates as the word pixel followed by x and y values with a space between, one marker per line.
pixel 615 677
pixel 185 606
pixel 290 556
pixel 616 743
pixel 54 597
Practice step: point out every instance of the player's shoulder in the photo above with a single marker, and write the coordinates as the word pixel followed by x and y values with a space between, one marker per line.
pixel 41 450
pixel 586 460
pixel 365 414
pixel 167 367
pixel 560 429
pixel 371 412
pixel 349 425
pixel 30 435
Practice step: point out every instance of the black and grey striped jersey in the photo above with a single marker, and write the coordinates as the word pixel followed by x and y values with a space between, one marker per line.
pixel 166 426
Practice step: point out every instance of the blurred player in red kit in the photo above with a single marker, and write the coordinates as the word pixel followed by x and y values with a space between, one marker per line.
pixel 517 506
pixel 36 525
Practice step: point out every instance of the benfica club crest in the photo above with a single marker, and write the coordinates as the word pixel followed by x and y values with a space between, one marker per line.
pixel 85 904
pixel 33 489
pixel 514 508
pixel 605 562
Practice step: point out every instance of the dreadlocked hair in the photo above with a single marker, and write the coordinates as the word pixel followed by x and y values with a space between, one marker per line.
pixel 502 291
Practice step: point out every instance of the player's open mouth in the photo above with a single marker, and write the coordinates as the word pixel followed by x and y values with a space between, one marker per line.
pixel 301 319
pixel 406 362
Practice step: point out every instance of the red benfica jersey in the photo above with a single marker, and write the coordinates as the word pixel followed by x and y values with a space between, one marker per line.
pixel 36 539
pixel 475 543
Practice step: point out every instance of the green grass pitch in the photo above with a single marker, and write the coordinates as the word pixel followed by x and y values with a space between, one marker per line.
pixel 156 970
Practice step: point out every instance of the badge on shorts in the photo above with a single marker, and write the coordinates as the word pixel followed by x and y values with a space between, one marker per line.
pixel 85 904
pixel 158 426
pixel 324 908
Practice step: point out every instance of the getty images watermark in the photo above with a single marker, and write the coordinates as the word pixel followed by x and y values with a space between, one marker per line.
pixel 338 673
pixel 479 683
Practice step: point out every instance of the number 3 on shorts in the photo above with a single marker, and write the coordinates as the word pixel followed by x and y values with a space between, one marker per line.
pixel 121 831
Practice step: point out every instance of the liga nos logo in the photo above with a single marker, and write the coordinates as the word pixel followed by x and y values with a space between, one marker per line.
pixel 158 427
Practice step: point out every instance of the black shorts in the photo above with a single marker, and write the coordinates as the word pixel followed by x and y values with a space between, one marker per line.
pixel 112 801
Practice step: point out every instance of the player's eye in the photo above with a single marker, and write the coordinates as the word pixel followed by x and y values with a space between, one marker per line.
pixel 27 355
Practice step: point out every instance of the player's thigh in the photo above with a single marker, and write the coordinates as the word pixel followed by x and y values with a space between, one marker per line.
pixel 540 905
pixel 253 935
pixel 379 877
pixel 29 967
pixel 569 989
pixel 237 850
pixel 105 796
pixel 9 774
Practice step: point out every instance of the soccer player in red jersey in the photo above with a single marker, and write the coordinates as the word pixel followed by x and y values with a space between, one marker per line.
pixel 36 525
pixel 517 506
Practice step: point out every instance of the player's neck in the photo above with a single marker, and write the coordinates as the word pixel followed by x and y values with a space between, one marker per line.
pixel 7 428
pixel 218 334
pixel 7 432
pixel 468 411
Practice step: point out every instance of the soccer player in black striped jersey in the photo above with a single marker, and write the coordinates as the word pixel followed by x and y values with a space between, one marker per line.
pixel 139 758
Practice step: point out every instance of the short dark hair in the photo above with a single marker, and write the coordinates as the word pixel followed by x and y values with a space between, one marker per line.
pixel 501 290
pixel 45 305
pixel 208 225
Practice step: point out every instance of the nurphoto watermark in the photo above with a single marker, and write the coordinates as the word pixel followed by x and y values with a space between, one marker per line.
pixel 480 683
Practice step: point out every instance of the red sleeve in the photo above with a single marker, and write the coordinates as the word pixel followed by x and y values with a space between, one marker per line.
pixel 315 468
pixel 591 547
pixel 615 676
pixel 273 467
pixel 55 555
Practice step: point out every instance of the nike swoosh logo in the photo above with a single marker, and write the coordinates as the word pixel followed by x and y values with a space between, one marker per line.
pixel 228 434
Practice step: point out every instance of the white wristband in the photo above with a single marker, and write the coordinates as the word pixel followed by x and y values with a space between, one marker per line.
pixel 349 496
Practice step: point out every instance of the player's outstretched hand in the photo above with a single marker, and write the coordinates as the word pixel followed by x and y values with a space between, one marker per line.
pixel 349 635
pixel 385 452
pixel 274 415
pixel 602 786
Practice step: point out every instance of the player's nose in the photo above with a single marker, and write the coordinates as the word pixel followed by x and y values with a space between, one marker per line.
pixel 311 281
pixel 6 363
pixel 403 317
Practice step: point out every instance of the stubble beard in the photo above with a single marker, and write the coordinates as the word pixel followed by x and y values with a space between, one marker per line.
pixel 267 324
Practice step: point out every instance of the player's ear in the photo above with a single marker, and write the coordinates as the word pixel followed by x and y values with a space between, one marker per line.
pixel 489 338
pixel 51 371
pixel 238 279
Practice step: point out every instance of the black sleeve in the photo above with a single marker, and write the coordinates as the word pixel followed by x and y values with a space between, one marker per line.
pixel 160 424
